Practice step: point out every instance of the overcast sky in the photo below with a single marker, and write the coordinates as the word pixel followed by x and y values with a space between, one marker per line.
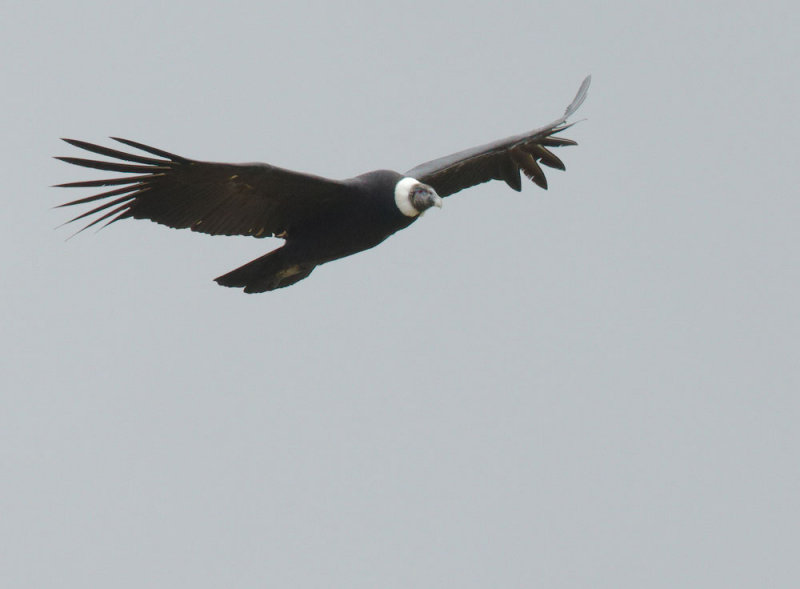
pixel 593 386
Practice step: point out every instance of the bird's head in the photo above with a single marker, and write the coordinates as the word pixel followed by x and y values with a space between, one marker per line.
pixel 414 198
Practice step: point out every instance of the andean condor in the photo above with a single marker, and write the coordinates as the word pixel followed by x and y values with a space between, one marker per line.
pixel 319 219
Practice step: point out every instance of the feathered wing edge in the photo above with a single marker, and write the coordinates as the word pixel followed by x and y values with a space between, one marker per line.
pixel 503 159
pixel 145 169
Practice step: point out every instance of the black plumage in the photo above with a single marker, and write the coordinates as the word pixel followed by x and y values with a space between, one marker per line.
pixel 320 219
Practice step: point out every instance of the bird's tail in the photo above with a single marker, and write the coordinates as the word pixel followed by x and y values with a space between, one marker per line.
pixel 268 272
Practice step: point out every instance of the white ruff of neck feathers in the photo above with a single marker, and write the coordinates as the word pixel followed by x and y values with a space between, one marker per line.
pixel 402 196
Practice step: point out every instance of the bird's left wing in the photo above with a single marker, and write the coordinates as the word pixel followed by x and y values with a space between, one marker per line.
pixel 259 200
pixel 502 160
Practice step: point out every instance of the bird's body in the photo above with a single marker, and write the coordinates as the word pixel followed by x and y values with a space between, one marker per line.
pixel 320 219
pixel 341 231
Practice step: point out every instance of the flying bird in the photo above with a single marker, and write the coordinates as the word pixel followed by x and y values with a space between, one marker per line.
pixel 320 219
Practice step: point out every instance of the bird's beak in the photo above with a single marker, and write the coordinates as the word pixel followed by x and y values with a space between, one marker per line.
pixel 437 200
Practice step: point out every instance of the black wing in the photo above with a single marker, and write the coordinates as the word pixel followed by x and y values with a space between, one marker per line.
pixel 219 199
pixel 501 160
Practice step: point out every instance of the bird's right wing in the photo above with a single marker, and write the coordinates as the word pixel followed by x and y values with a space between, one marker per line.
pixel 220 199
pixel 502 160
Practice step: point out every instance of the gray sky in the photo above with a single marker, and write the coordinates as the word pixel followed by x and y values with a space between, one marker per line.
pixel 594 386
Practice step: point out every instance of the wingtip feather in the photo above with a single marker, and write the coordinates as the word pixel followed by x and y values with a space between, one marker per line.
pixel 580 96
pixel 149 149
